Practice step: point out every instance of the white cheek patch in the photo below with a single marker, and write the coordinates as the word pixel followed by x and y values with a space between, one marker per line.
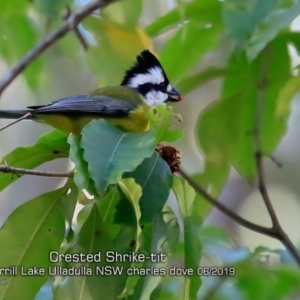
pixel 155 97
pixel 169 88
pixel 154 76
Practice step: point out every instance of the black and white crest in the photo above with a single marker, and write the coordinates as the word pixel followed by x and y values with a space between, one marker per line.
pixel 148 78
pixel 146 69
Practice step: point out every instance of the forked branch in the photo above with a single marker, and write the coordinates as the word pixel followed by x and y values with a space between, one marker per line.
pixel 70 24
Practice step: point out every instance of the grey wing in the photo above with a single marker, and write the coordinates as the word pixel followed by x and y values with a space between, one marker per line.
pixel 86 104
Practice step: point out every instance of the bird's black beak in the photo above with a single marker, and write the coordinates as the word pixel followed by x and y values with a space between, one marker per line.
pixel 174 95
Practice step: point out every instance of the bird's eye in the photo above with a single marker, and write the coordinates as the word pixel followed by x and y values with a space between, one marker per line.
pixel 163 85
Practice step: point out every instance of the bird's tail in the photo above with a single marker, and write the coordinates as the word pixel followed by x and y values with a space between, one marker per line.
pixel 14 114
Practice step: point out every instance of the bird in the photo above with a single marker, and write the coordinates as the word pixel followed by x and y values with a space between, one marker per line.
pixel 144 85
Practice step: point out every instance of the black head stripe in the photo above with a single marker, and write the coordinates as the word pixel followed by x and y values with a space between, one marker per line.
pixel 145 88
pixel 145 61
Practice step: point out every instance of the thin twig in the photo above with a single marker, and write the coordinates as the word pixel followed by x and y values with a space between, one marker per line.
pixel 76 30
pixel 16 121
pixel 275 161
pixel 264 192
pixel 81 39
pixel 17 171
pixel 49 40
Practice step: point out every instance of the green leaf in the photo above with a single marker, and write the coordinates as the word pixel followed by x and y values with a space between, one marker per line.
pixel 160 118
pixel 18 36
pixel 49 146
pixel 109 158
pixel 133 193
pixel 210 12
pixel 126 13
pixel 203 206
pixel 9 7
pixel 287 282
pixel 253 279
pixel 292 37
pixel 155 179
pixel 92 239
pixel 237 115
pixel 286 96
pixel 165 239
pixel 190 83
pixel 192 221
pixel 69 203
pixel 269 28
pixel 107 207
pixel 110 58
pixel 51 8
pixel 124 212
pixel 242 17
pixel 82 216
pixel 184 42
pixel 125 243
pixel 27 237
pixel 125 240
pixel 81 176
pixel 185 195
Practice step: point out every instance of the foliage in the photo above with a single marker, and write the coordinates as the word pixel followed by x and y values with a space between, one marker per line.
pixel 127 179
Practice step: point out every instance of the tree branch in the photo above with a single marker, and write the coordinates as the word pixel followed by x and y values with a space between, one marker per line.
pixel 263 190
pixel 230 213
pixel 49 40
pixel 272 232
pixel 76 30
pixel 282 236
pixel 17 171
pixel 276 227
